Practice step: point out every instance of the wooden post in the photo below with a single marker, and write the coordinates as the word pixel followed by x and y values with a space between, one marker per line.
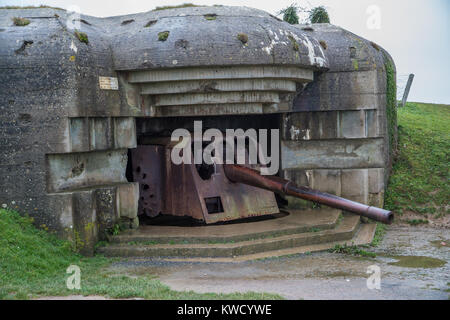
pixel 406 92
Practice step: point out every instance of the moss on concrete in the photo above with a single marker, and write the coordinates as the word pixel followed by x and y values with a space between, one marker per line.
pixel 391 106
pixel 211 16
pixel 295 45
pixel 184 5
pixel 242 37
pixel 162 36
pixel 20 22
pixel 82 36
pixel 376 46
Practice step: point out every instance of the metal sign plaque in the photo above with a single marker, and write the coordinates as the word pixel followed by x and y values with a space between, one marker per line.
pixel 108 83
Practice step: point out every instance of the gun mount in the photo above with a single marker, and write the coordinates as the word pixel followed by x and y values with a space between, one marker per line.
pixel 214 193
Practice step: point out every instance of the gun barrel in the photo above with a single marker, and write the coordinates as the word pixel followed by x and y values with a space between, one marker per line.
pixel 237 173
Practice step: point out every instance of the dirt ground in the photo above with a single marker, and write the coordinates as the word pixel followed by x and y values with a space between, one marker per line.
pixel 413 262
pixel 441 222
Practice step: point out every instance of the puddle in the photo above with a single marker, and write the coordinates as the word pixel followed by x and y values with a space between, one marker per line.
pixel 440 243
pixel 416 262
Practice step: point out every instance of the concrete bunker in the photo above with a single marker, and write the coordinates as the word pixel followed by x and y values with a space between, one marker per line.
pixel 90 103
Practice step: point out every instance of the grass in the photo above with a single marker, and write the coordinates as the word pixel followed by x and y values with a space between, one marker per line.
pixel 352 250
pixel 419 180
pixel 391 104
pixel 34 263
pixel 415 222
pixel 379 234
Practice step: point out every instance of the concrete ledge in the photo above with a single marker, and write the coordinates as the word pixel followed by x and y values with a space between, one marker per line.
pixel 217 73
pixel 206 109
pixel 72 171
pixel 213 98
pixel 343 101
pixel 330 154
pixel 218 86
pixel 344 124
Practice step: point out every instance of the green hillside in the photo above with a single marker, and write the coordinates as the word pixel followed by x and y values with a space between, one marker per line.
pixel 419 183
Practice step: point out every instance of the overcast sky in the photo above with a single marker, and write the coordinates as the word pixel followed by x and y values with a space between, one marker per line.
pixel 415 32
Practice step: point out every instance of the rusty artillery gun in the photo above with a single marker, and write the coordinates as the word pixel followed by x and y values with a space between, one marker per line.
pixel 220 193
pixel 249 176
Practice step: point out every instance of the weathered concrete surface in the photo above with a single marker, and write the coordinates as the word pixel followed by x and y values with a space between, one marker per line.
pixel 52 115
pixel 321 154
pixel 209 91
pixel 319 275
pixel 219 86
pixel 235 72
pixel 202 42
pixel 340 124
pixel 70 171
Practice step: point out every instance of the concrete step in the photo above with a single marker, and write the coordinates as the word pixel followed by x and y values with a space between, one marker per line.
pixel 297 221
pixel 345 230
pixel 364 236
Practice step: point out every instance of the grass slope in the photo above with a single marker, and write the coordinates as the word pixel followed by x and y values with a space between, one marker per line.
pixel 34 263
pixel 419 182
